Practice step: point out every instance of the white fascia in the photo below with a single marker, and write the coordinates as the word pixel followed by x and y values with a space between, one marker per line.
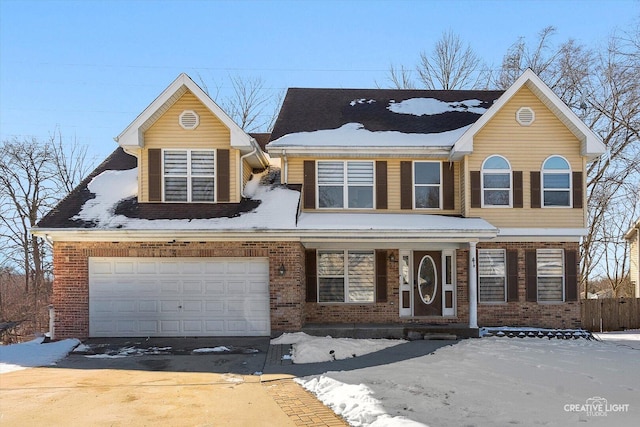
pixel 591 145
pixel 540 234
pixel 133 135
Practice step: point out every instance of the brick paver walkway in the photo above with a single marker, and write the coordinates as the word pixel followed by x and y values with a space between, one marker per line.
pixel 302 407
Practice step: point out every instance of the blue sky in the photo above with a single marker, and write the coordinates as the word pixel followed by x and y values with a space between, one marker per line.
pixel 88 68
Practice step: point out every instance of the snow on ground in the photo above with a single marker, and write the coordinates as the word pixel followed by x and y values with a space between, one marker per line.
pixel 630 338
pixel 33 353
pixel 310 349
pixel 495 381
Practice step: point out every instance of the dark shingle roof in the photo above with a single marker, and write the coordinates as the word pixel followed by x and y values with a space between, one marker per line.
pixel 261 138
pixel 307 110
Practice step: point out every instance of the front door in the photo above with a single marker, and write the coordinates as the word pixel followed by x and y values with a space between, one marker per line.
pixel 427 283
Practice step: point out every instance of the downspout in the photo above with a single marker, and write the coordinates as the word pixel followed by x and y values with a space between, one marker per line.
pixel 241 174
pixel 285 167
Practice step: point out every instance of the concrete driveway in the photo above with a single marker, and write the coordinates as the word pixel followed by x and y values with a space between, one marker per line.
pixel 160 382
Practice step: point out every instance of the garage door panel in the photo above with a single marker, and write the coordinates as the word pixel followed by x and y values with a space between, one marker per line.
pixel 178 296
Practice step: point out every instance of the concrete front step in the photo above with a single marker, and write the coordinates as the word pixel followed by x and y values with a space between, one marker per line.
pixel 410 331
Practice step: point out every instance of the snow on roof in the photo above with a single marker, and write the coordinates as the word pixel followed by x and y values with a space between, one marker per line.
pixel 432 106
pixel 381 221
pixel 277 211
pixel 355 135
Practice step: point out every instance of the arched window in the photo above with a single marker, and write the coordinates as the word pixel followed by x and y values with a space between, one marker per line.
pixel 556 182
pixel 496 182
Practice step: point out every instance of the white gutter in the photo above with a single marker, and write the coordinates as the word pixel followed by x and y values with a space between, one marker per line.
pixel 241 174
pixel 285 167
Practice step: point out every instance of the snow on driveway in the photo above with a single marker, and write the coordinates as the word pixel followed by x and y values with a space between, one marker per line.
pixel 33 353
pixel 494 381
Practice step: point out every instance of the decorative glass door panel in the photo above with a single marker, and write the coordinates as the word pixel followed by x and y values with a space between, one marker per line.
pixel 427 292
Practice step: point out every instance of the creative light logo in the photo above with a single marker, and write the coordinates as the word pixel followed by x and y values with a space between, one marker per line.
pixel 596 407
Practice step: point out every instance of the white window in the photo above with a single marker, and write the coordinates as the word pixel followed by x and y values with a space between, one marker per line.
pixel 354 192
pixel 492 275
pixel 496 182
pixel 189 175
pixel 427 179
pixel 556 182
pixel 550 275
pixel 346 276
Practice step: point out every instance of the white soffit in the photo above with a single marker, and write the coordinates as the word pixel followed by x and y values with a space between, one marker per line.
pixel 592 145
pixel 133 135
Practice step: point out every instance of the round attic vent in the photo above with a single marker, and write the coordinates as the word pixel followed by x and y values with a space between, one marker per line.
pixel 525 116
pixel 189 119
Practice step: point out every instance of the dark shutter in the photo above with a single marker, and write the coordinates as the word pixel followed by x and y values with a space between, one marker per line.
pixel 571 275
pixel 154 169
pixel 535 189
pixel 577 190
pixel 309 184
pixel 406 186
pixel 448 189
pixel 517 189
pixel 381 276
pixel 311 274
pixel 223 176
pixel 531 273
pixel 381 185
pixel 512 275
pixel 476 189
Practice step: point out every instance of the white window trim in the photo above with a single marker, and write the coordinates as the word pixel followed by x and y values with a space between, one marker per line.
pixel 414 185
pixel 189 176
pixel 345 186
pixel 484 170
pixel 345 261
pixel 556 171
pixel 538 275
pixel 504 257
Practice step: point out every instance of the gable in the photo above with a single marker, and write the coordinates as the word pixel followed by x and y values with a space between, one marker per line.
pixel 166 132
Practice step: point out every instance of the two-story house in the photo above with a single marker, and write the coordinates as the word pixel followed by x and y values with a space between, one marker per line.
pixel 391 206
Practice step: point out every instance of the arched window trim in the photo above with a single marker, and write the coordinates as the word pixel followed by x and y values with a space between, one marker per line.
pixel 568 189
pixel 485 171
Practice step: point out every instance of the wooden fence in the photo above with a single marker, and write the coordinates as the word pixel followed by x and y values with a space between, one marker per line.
pixel 610 314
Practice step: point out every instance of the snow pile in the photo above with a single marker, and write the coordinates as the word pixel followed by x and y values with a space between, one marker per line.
pixel 356 136
pixel 310 349
pixel 110 187
pixel 629 338
pixel 494 381
pixel 432 106
pixel 130 351
pixel 354 403
pixel 33 353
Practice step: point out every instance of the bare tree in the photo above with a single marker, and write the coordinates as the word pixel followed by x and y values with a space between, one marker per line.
pixel 450 65
pixel 34 175
pixel 400 77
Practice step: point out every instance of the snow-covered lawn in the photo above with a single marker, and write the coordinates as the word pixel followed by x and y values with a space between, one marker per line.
pixel 495 382
pixel 33 353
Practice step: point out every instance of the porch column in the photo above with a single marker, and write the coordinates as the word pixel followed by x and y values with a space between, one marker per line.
pixel 473 286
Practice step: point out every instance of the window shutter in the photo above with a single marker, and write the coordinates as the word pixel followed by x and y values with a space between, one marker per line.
pixel 309 184
pixel 223 176
pixel 535 189
pixel 476 189
pixel 311 273
pixel 531 272
pixel 406 186
pixel 154 169
pixel 381 276
pixel 577 190
pixel 517 189
pixel 448 188
pixel 381 185
pixel 512 275
pixel 571 275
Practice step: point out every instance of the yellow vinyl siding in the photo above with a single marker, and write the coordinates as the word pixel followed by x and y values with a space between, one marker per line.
pixel 166 132
pixel 296 176
pixel 526 148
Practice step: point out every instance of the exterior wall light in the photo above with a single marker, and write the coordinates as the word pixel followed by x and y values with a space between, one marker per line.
pixel 282 270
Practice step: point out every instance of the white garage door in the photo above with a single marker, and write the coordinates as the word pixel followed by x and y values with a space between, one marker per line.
pixel 139 297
